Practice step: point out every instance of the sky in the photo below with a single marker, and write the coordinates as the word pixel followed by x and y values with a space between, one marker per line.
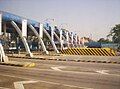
pixel 89 18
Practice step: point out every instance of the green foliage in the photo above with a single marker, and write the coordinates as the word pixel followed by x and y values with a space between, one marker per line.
pixel 102 40
pixel 115 33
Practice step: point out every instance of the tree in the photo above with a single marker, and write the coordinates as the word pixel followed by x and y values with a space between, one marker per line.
pixel 115 33
pixel 102 40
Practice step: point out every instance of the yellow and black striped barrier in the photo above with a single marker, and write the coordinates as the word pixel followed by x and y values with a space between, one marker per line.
pixel 89 51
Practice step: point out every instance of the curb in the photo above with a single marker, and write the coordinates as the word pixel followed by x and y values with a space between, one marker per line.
pixel 92 61
pixel 18 64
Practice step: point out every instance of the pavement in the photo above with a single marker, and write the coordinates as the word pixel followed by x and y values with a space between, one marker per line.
pixel 50 74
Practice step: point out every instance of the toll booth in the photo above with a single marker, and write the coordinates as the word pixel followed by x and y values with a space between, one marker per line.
pixel 22 34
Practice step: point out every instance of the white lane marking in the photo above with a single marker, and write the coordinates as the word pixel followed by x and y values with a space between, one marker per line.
pixel 71 86
pixel 58 68
pixel 103 71
pixel 19 84
pixel 44 82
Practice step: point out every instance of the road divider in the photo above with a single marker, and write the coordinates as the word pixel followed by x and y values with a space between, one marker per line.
pixel 74 60
pixel 19 64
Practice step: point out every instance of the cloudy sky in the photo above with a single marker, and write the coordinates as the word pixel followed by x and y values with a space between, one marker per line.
pixel 90 18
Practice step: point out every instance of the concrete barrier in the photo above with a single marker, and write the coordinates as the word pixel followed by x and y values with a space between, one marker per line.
pixel 74 60
pixel 19 64
pixel 89 51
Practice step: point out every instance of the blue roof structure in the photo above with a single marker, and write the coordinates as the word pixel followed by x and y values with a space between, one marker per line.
pixel 7 17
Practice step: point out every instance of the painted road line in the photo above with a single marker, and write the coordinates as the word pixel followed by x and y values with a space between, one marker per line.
pixel 103 71
pixel 71 86
pixel 19 84
pixel 58 68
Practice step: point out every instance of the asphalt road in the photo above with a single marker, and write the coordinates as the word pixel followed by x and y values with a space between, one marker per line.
pixel 60 75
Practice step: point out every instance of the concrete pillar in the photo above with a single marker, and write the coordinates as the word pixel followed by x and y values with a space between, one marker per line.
pixel 79 41
pixel 57 37
pixel 72 39
pixel 23 35
pixel 0 24
pixel 4 29
pixel 39 36
pixel 67 38
pixel 61 40
pixel 24 28
pixel 3 57
pixel 83 42
pixel 52 33
pixel 51 39
pixel 76 40
pixel 41 31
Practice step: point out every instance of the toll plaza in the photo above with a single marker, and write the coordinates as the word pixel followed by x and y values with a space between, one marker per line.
pixel 36 55
pixel 19 34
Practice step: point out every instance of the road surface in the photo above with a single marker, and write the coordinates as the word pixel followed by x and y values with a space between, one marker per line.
pixel 49 74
